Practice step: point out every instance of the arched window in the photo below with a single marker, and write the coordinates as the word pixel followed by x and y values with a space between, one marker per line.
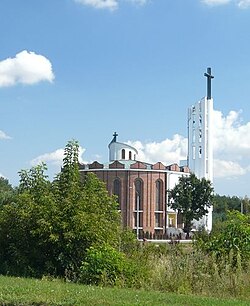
pixel 130 155
pixel 138 205
pixel 159 204
pixel 138 194
pixel 123 153
pixel 158 195
pixel 117 190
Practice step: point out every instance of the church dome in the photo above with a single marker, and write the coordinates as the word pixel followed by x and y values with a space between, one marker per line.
pixel 121 151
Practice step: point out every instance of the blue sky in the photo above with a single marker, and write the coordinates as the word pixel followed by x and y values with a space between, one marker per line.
pixel 83 69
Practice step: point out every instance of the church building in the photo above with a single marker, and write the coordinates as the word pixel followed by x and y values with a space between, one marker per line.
pixel 142 188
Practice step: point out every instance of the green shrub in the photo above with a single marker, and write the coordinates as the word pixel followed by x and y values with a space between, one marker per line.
pixel 102 265
pixel 128 242
pixel 232 241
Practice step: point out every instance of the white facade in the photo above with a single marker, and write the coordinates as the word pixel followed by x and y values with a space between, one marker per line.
pixel 200 142
pixel 172 180
pixel 200 147
pixel 121 151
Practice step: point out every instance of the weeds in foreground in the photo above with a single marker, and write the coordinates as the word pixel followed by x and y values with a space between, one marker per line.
pixel 199 273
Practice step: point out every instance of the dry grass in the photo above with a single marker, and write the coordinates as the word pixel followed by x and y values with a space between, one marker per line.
pixel 197 273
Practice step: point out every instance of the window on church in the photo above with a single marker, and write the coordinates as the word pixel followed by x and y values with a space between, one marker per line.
pixel 138 211
pixel 200 151
pixel 123 153
pixel 158 220
pixel 117 190
pixel 138 218
pixel 193 153
pixel 193 122
pixel 158 195
pixel 130 155
pixel 138 195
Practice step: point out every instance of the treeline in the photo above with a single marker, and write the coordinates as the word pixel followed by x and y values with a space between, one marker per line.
pixel 223 204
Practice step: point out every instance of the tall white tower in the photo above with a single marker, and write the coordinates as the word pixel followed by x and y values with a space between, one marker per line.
pixel 200 142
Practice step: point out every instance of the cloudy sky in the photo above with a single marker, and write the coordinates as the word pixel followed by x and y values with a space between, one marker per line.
pixel 82 69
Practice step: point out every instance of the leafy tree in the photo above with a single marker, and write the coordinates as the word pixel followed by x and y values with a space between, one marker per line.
pixel 68 181
pixel 34 181
pixel 246 205
pixel 5 185
pixel 191 197
pixel 223 204
pixel 25 226
pixel 49 226
pixel 86 214
pixel 232 241
pixel 6 191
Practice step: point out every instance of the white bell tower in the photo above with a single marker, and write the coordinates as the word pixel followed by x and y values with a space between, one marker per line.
pixel 200 142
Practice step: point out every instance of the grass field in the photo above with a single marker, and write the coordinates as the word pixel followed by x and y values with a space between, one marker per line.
pixel 19 291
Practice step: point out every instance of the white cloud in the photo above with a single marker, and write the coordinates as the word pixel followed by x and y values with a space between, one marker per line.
pixel 231 136
pixel 109 4
pixel 228 169
pixel 4 136
pixel 231 147
pixel 25 68
pixel 167 151
pixel 55 158
pixel 243 4
pixel 140 2
pixel 216 2
pixel 100 4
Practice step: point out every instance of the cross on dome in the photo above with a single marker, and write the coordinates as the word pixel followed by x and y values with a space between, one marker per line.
pixel 115 135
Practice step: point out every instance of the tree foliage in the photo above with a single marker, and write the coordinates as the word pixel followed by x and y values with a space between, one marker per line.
pixel 6 191
pixel 191 197
pixel 223 204
pixel 232 241
pixel 48 226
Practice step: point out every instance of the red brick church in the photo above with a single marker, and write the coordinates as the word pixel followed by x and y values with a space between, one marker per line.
pixel 141 189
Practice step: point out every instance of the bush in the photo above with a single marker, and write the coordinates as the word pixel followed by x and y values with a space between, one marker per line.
pixel 232 241
pixel 102 265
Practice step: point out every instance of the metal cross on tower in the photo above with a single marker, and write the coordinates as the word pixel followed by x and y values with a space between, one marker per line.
pixel 209 76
